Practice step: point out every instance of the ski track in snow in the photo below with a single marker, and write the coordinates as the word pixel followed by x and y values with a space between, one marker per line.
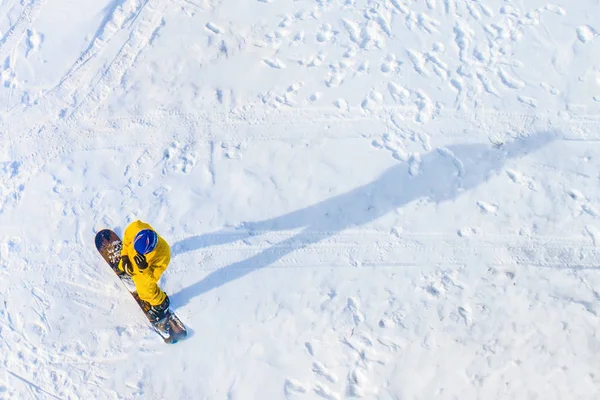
pixel 17 31
pixel 385 198
pixel 78 73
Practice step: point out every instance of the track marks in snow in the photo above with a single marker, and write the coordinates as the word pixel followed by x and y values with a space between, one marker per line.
pixel 550 89
pixel 324 379
pixel 293 387
pixel 12 183
pixel 583 204
pixel 8 77
pixel 324 372
pixel 487 208
pixel 34 41
pixel 148 21
pixel 372 102
pixel 440 283
pixel 530 101
pixel 77 77
pixel 466 314
pixel 25 345
pixel 423 22
pixel 42 305
pixel 485 67
pixel 591 210
pixel 398 144
pixel 274 63
pixel 586 33
pixel 399 93
pixel 287 97
pixel 179 158
pixel 76 97
pixel 576 195
pixel 390 64
pixel 486 64
pixel 446 289
pixel 346 359
pixel 140 182
pixel 214 28
pixel 520 178
pixel 422 62
pixel 232 151
pixel 313 60
pixel 515 176
pixel 325 33
pixel 326 393
pixel 478 10
pixel 367 355
pixel 340 52
pixel 11 250
pixel 369 33
pixel 17 31
pixel 510 81
pixel 352 308
pixel 594 234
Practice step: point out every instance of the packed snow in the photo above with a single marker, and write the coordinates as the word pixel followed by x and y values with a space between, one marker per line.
pixel 378 199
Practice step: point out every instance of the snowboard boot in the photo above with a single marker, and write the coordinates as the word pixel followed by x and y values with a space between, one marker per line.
pixel 158 312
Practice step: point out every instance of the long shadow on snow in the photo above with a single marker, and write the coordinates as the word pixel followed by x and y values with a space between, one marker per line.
pixel 444 174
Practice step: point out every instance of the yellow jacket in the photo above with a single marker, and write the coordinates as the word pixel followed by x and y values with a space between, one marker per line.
pixel 158 259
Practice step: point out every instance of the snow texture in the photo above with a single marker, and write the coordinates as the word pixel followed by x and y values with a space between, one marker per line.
pixel 365 199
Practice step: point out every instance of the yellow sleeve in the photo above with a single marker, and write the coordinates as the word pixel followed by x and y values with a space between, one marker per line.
pixel 160 259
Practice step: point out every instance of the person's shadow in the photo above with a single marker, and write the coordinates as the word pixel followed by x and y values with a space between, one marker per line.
pixel 443 175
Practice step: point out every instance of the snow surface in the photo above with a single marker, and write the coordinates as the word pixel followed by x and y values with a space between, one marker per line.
pixel 379 199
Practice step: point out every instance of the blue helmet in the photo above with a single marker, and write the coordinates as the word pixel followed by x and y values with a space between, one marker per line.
pixel 145 241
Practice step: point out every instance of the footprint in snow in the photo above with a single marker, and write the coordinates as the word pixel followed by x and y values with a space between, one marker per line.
pixel 325 392
pixel 487 208
pixel 591 210
pixel 144 178
pixel 321 370
pixel 465 312
pixel 576 195
pixel 325 33
pixel 586 33
pixel 353 309
pixel 179 159
pixel 594 234
pixel 34 41
pixel 293 387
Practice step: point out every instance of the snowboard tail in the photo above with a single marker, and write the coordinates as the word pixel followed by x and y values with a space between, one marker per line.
pixel 109 245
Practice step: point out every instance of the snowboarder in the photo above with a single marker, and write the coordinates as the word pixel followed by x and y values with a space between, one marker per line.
pixel 145 256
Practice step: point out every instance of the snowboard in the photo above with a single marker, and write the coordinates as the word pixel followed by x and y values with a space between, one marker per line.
pixel 109 245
